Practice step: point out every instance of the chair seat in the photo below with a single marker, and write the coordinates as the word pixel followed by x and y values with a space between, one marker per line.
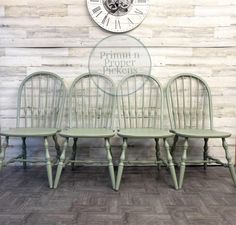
pixel 29 132
pixel 144 133
pixel 201 133
pixel 87 133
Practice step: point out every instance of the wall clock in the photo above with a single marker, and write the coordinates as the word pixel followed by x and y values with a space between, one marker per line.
pixel 118 15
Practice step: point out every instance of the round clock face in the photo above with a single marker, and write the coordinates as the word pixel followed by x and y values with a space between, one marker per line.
pixel 118 15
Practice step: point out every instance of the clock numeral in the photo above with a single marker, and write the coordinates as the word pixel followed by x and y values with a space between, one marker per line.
pixel 137 11
pixel 142 1
pixel 117 24
pixel 130 21
pixel 97 9
pixel 108 21
pixel 104 19
pixel 98 13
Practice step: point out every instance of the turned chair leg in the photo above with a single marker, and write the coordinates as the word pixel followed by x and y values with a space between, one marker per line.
pixel 110 162
pixel 229 159
pixel 73 155
pixel 183 163
pixel 48 163
pixel 3 148
pixel 171 164
pixel 61 163
pixel 205 153
pixel 158 154
pixel 24 152
pixel 121 164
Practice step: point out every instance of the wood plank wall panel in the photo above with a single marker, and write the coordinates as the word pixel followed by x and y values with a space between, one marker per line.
pixel 197 36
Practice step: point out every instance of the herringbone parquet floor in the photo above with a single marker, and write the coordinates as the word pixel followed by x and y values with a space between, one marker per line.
pixel 146 197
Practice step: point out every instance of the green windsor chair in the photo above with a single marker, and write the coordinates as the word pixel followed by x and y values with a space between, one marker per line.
pixel 140 107
pixel 40 102
pixel 189 105
pixel 91 101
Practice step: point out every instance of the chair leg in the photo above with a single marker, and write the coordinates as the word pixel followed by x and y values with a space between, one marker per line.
pixel 171 164
pixel 158 153
pixel 24 152
pixel 61 163
pixel 73 155
pixel 3 151
pixel 121 164
pixel 229 159
pixel 110 163
pixel 205 153
pixel 48 163
pixel 183 164
pixel 57 146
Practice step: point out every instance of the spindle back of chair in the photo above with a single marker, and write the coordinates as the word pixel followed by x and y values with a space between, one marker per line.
pixel 189 102
pixel 40 101
pixel 91 102
pixel 140 102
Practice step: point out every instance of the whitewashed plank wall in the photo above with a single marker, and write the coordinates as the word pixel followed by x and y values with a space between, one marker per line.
pixel 197 36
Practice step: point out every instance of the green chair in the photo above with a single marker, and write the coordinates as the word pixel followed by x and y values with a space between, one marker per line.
pixel 140 107
pixel 91 101
pixel 40 102
pixel 190 111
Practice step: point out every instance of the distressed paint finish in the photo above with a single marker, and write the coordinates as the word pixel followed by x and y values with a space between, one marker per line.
pixel 190 111
pixel 193 36
pixel 91 104
pixel 40 104
pixel 140 110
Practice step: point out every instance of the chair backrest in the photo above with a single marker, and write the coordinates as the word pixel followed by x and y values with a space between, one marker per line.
pixel 139 99
pixel 189 102
pixel 91 102
pixel 41 98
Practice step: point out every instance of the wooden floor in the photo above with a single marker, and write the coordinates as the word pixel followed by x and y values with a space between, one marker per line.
pixel 146 197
